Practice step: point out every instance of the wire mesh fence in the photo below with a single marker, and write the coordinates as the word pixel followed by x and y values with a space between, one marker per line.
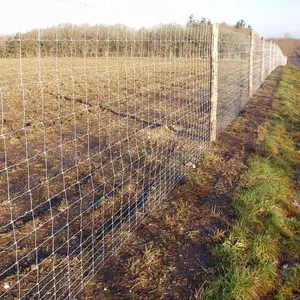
pixel 233 75
pixel 98 124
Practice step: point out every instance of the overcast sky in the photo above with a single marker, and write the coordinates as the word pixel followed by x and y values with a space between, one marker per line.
pixel 269 18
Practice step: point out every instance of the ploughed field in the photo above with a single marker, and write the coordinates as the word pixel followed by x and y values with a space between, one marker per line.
pixel 87 148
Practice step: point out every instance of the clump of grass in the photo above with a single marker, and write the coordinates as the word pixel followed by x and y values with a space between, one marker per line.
pixel 147 267
pixel 250 253
pixel 266 230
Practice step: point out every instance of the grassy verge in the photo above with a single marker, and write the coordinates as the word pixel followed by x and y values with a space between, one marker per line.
pixel 261 255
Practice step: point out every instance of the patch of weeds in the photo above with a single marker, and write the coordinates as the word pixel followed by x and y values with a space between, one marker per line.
pixel 219 235
pixel 197 177
pixel 147 267
pixel 63 206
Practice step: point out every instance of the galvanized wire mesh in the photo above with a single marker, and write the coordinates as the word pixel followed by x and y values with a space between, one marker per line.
pixel 233 74
pixel 98 124
pixel 257 63
pixel 268 59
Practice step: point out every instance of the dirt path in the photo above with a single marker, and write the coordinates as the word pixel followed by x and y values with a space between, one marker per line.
pixel 169 256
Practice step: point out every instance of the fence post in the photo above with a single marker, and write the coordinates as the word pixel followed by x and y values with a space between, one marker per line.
pixel 274 56
pixel 251 56
pixel 214 81
pixel 270 62
pixel 262 69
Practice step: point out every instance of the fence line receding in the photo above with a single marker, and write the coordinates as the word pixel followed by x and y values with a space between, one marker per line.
pixel 98 124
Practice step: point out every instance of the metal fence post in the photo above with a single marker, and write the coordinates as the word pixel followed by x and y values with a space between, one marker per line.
pixel 262 69
pixel 214 81
pixel 251 56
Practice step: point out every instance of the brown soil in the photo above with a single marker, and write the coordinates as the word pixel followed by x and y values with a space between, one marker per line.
pixel 169 256
pixel 75 157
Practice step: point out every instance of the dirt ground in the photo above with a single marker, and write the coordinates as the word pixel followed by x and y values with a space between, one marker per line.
pixel 89 150
pixel 169 256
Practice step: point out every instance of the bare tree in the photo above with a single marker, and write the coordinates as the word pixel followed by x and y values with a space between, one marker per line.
pixel 287 35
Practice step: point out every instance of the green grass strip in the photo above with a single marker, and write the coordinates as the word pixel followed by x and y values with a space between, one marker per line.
pixel 260 255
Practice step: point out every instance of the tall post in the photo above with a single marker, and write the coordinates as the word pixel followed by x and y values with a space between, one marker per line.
pixel 251 56
pixel 274 56
pixel 270 59
pixel 262 69
pixel 214 81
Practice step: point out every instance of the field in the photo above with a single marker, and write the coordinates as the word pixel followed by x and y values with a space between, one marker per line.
pixel 88 147
pixel 85 145
pixel 288 45
pixel 98 124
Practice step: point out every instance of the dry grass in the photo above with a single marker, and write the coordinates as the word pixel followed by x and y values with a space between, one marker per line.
pixel 185 227
pixel 288 46
pixel 81 139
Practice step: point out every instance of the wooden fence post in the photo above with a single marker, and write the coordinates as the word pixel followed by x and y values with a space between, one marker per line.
pixel 251 56
pixel 270 62
pixel 214 81
pixel 262 69
pixel 274 56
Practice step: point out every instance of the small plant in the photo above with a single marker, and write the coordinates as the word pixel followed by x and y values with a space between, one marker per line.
pixel 219 235
pixel 63 205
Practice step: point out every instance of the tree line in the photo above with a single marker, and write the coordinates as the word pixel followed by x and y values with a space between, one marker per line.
pixel 172 40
